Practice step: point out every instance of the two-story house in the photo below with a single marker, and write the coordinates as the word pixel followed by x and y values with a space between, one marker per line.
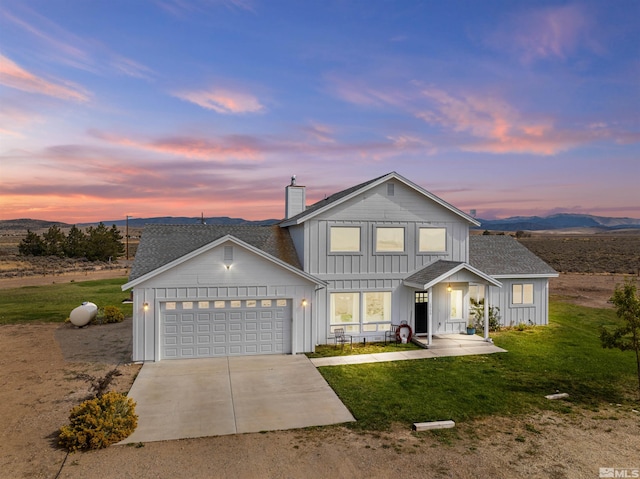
pixel 362 259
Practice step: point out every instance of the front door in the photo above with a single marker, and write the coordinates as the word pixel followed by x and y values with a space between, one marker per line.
pixel 422 312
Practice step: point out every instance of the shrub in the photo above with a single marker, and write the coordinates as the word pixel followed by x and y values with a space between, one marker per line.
pixel 111 314
pixel 477 309
pixel 98 423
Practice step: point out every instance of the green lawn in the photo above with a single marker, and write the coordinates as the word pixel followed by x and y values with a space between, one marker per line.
pixel 565 356
pixel 53 303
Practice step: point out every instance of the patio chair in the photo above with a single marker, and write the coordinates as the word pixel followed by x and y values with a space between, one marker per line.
pixel 391 334
pixel 342 338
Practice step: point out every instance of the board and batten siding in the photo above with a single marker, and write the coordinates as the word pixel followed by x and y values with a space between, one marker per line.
pixel 205 278
pixel 515 314
pixel 405 209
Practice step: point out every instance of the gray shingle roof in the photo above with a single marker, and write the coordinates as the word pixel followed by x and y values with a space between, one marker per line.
pixel 331 199
pixel 432 271
pixel 503 255
pixel 162 244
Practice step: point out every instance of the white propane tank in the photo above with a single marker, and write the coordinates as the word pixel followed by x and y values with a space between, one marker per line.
pixel 82 315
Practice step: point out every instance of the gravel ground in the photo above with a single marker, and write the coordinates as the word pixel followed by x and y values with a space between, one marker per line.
pixel 38 387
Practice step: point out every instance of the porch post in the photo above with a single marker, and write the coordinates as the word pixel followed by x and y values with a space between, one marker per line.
pixel 429 316
pixel 486 312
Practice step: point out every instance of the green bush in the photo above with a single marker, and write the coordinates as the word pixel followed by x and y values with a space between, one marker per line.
pixel 111 314
pixel 98 423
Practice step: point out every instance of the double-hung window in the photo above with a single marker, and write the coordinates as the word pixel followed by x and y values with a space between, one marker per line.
pixel 522 293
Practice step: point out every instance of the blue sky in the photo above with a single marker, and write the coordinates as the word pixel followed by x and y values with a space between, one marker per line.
pixel 177 107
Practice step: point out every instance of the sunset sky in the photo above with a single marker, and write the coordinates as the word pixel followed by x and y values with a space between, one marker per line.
pixel 181 107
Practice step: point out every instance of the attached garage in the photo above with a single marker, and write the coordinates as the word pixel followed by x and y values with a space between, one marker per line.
pixel 202 291
pixel 204 329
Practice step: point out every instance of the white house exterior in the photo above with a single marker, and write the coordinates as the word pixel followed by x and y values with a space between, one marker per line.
pixel 363 259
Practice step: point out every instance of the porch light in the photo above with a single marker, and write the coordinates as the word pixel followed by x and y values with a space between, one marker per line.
pixel 449 288
pixel 145 306
pixel 304 303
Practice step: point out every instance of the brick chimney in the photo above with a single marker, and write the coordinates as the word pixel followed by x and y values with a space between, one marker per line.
pixel 295 199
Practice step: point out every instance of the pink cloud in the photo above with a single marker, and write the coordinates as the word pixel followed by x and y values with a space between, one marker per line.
pixel 230 147
pixel 499 128
pixel 14 76
pixel 549 32
pixel 222 100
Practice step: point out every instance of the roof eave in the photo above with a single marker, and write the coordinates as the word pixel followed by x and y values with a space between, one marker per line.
pixel 526 275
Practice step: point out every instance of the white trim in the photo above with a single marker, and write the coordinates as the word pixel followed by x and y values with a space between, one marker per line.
pixel 378 182
pixel 525 276
pixel 214 244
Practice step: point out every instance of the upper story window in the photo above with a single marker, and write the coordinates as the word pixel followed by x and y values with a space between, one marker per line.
pixel 522 293
pixel 344 239
pixel 433 240
pixel 389 240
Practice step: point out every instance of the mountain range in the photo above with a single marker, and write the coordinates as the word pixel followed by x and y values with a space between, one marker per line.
pixel 515 223
pixel 559 221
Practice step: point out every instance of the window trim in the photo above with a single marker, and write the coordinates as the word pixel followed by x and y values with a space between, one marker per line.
pixel 330 239
pixel 375 240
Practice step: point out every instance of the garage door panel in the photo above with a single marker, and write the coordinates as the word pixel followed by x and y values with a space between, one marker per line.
pixel 224 328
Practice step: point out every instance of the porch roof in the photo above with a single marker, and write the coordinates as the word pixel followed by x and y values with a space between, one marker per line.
pixel 441 270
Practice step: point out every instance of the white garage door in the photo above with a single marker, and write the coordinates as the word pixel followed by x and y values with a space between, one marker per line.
pixel 204 329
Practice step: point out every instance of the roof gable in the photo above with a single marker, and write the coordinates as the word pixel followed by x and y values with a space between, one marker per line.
pixel 214 244
pixel 440 270
pixel 503 256
pixel 163 244
pixel 345 195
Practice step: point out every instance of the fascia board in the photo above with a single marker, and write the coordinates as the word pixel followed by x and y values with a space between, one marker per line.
pixel 525 276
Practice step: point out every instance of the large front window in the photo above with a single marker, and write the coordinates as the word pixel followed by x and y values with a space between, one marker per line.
pixel 389 240
pixel 346 311
pixel 344 239
pixel 377 309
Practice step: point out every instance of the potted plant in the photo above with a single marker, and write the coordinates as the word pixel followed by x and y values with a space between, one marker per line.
pixel 471 327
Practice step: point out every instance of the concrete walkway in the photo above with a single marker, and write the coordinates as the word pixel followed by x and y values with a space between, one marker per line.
pixel 443 345
pixel 211 397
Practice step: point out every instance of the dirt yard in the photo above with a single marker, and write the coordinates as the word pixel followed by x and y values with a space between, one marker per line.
pixel 38 387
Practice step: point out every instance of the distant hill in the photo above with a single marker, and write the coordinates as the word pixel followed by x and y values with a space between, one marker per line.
pixel 183 220
pixel 29 224
pixel 515 223
pixel 559 221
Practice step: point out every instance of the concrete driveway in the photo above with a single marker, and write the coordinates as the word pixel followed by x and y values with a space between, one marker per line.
pixel 210 397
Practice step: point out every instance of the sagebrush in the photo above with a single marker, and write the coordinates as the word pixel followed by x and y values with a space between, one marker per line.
pixel 110 314
pixel 100 422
